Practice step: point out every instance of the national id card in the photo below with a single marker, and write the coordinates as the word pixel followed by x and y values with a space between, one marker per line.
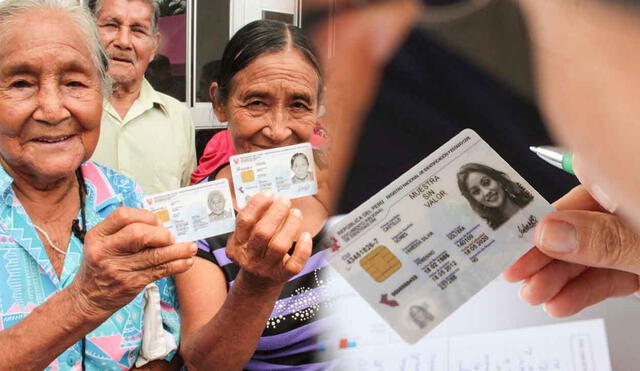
pixel 429 241
pixel 195 212
pixel 287 171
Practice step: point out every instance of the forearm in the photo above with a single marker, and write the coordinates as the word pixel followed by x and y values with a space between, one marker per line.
pixel 229 339
pixel 47 332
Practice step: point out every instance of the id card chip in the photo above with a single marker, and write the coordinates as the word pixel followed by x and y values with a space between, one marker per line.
pixel 163 215
pixel 380 263
pixel 247 176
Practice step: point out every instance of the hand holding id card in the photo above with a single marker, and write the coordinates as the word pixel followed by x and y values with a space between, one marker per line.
pixel 287 171
pixel 429 241
pixel 195 212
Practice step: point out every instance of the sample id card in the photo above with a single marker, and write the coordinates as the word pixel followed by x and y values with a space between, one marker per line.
pixel 429 241
pixel 287 171
pixel 195 212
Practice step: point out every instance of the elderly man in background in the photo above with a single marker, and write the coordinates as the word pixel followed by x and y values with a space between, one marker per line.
pixel 145 134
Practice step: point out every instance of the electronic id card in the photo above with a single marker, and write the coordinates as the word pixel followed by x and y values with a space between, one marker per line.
pixel 429 241
pixel 195 212
pixel 287 171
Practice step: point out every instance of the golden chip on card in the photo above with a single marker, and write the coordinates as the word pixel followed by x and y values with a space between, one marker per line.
pixel 163 215
pixel 247 176
pixel 380 263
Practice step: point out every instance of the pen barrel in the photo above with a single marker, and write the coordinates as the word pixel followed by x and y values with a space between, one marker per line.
pixel 567 163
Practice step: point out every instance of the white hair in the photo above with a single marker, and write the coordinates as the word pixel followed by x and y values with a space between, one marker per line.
pixel 79 15
pixel 155 7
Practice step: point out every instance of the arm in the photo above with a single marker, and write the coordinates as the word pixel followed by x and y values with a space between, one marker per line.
pixel 209 316
pixel 44 334
pixel 122 254
pixel 220 330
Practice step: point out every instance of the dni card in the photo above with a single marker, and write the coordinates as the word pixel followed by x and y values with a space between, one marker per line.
pixel 195 212
pixel 287 171
pixel 425 244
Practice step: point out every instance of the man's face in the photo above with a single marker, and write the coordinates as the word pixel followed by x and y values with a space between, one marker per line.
pixel 125 28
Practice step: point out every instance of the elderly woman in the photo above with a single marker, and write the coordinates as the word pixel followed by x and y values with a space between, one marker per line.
pixel 491 193
pixel 69 300
pixel 250 300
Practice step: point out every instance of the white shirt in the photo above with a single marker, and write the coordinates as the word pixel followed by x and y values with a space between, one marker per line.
pixel 154 144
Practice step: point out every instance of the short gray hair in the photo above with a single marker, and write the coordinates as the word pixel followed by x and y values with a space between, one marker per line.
pixel 79 14
pixel 155 6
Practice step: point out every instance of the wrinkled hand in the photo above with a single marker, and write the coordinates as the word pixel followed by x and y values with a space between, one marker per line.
pixel 124 253
pixel 584 255
pixel 265 231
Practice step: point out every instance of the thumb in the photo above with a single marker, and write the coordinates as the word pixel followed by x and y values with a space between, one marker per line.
pixel 589 238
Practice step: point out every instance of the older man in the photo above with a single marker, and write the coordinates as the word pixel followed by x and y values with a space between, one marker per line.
pixel 145 134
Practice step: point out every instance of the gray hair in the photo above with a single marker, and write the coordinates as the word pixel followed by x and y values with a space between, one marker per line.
pixel 79 14
pixel 155 6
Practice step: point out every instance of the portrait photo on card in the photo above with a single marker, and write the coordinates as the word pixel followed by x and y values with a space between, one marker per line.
pixel 491 193
pixel 218 208
pixel 300 167
pixel 419 315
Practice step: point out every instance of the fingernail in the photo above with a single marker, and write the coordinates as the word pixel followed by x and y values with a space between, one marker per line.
pixel 189 261
pixel 603 198
pixel 193 248
pixel 268 193
pixel 173 238
pixel 557 236
pixel 284 200
pixel 296 212
pixel 305 235
pixel 523 291
pixel 544 308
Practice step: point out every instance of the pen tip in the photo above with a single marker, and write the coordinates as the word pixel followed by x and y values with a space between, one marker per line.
pixel 533 149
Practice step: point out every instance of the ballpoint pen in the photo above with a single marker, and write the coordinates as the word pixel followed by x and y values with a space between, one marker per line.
pixel 556 157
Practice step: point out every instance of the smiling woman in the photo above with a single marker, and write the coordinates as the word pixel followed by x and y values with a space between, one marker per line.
pixel 491 193
pixel 62 230
pixel 263 283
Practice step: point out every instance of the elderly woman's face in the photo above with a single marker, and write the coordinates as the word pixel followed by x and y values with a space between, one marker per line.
pixel 216 203
pixel 300 167
pixel 485 190
pixel 50 96
pixel 273 102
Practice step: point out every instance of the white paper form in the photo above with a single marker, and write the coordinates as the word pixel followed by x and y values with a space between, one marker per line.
pixel 570 346
pixel 362 340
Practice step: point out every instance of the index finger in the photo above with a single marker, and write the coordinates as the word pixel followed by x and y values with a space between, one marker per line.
pixel 250 214
pixel 578 199
pixel 525 267
pixel 122 217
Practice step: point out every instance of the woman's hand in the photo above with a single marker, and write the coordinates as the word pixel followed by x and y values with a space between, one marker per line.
pixel 582 257
pixel 266 229
pixel 122 254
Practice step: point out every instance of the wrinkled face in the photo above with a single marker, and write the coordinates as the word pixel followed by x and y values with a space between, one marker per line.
pixel 50 96
pixel 485 190
pixel 126 34
pixel 216 203
pixel 300 167
pixel 273 102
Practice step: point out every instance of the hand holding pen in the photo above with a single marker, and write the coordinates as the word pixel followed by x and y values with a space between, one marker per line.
pixel 583 254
